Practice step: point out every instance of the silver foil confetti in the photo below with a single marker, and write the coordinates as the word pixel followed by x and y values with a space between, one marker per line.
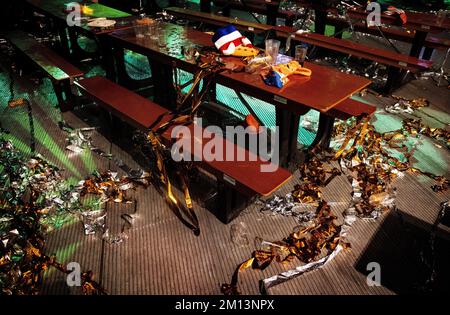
pixel 286 206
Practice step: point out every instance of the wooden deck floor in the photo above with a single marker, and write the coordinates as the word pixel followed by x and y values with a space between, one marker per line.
pixel 162 256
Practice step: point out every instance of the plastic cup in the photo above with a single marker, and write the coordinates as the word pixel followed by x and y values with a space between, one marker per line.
pixel 152 30
pixel 139 29
pixel 161 38
pixel 272 49
pixel 300 53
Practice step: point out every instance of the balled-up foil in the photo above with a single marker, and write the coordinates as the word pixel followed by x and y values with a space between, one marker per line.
pixel 406 106
pixel 349 219
pixel 415 127
pixel 80 139
pixel 371 148
pixel 31 192
pixel 110 187
pixel 287 206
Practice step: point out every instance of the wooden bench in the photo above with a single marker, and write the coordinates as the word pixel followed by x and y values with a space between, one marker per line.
pixel 431 42
pixel 57 69
pixel 268 8
pixel 344 110
pixel 218 20
pixel 237 181
pixel 351 108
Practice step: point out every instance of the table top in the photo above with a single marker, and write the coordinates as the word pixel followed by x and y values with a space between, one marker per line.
pixel 326 87
pixel 55 9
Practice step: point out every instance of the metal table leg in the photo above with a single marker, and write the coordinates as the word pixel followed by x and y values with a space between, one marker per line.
pixel 287 123
pixel 393 80
pixel 320 21
pixel 63 41
pixel 272 13
pixel 229 202
pixel 64 95
pixel 77 52
pixel 427 53
pixel 205 6
pixel 106 51
pixel 165 94
pixel 121 74
pixel 324 131
pixel 418 43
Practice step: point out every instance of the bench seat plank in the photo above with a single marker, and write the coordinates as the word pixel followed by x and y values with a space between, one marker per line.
pixel 359 50
pixel 142 113
pixel 54 65
pixel 136 110
pixel 351 108
pixel 393 33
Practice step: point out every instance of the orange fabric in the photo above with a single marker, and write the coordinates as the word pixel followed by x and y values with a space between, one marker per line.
pixel 401 13
pixel 252 123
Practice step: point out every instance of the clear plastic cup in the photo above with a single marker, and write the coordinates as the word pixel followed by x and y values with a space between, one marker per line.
pixel 272 49
pixel 300 53
pixel 239 234
pixel 161 38
pixel 139 29
pixel 152 30
pixel 149 30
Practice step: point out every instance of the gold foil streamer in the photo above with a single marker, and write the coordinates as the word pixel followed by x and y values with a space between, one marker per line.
pixel 187 105
pixel 371 170
pixel 305 245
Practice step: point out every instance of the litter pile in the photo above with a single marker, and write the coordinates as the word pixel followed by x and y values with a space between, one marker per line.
pixel 33 196
pixel 364 157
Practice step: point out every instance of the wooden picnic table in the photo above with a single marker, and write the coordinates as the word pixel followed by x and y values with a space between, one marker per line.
pixel 322 91
pixel 419 22
pixel 335 44
pixel 54 9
